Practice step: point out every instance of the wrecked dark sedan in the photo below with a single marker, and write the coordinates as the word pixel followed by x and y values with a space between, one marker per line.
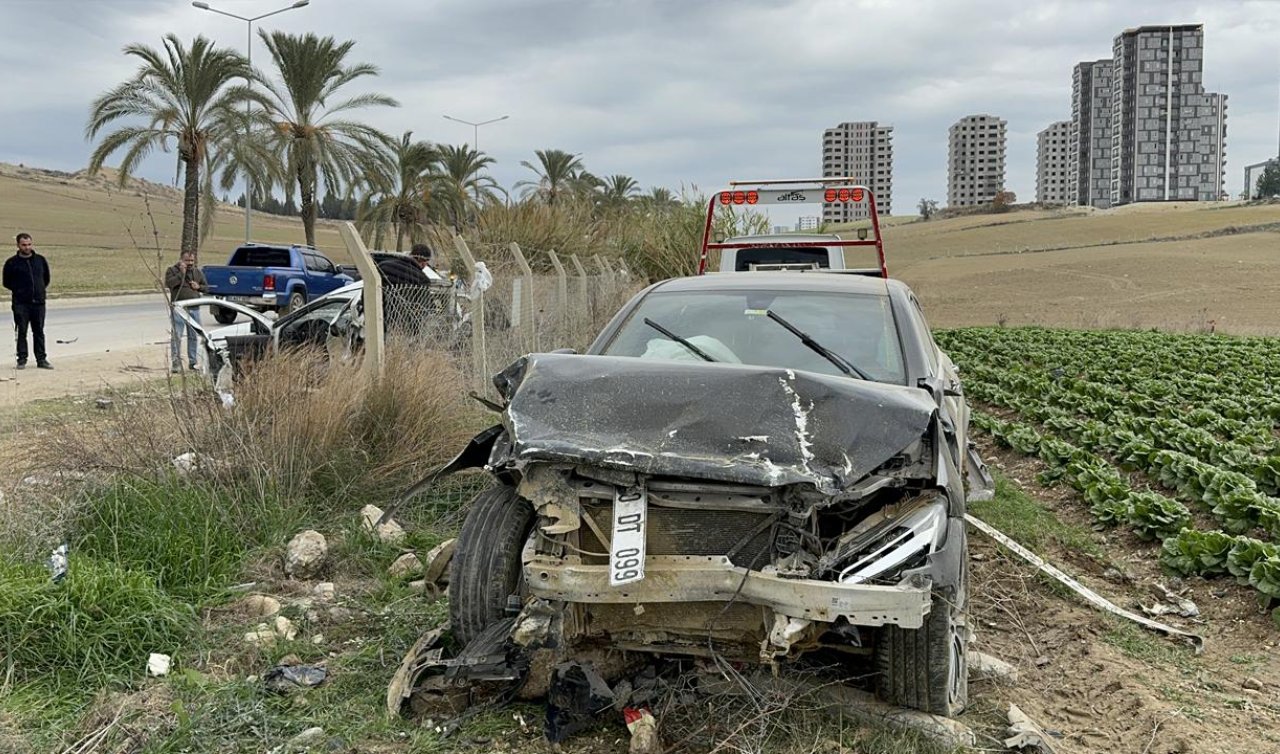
pixel 759 466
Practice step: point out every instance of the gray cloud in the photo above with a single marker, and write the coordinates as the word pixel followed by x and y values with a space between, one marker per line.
pixel 671 92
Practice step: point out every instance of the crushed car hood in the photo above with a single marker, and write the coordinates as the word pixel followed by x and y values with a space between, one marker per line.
pixel 742 424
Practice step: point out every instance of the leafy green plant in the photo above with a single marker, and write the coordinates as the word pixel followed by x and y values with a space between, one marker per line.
pixel 100 622
pixel 1197 552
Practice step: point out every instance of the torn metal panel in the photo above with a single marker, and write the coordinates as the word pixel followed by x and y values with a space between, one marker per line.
pixel 704 421
pixel 1088 594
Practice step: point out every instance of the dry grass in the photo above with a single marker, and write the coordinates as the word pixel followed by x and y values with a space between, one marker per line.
pixel 302 429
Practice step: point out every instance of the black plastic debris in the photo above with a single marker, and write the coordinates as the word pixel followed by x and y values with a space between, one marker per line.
pixel 576 701
pixel 283 679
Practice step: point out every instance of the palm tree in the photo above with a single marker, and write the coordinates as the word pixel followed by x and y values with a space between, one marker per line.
pixel 188 101
pixel 618 190
pixel 310 141
pixel 401 193
pixel 463 184
pixel 660 199
pixel 557 171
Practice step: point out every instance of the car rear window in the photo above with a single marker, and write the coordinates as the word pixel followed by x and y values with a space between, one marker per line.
pixel 733 327
pixel 260 257
pixel 748 259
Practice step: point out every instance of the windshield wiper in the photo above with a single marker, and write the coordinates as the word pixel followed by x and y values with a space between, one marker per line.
pixel 697 351
pixel 841 362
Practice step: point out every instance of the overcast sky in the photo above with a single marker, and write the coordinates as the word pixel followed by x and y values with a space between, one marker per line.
pixel 672 92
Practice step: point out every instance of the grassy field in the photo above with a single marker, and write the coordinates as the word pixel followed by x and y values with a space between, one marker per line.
pixel 99 237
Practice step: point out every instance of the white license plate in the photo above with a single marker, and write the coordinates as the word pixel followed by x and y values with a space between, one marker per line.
pixel 626 555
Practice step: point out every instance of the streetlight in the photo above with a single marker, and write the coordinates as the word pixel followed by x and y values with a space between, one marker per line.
pixel 248 179
pixel 475 144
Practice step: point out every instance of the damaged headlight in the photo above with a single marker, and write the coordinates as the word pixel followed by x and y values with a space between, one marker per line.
pixel 886 542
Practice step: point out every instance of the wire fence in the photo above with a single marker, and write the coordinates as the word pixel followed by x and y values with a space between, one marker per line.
pixel 494 307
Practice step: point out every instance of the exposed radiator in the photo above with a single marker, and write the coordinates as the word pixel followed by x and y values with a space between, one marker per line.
pixel 684 531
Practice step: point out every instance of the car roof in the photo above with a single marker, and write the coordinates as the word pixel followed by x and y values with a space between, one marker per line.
pixel 790 281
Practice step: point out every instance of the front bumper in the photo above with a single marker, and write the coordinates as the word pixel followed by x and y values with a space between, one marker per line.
pixel 713 578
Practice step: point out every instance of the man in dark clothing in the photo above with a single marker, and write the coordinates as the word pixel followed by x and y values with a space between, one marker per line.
pixel 26 275
pixel 184 280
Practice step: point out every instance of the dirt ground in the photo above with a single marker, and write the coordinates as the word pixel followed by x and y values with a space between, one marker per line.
pixel 1105 685
pixel 80 375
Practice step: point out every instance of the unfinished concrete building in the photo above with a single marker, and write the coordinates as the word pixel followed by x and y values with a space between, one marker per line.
pixel 1053 164
pixel 975 164
pixel 862 150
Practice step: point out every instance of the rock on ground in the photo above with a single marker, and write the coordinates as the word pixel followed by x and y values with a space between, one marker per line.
pixel 405 565
pixel 389 533
pixel 305 555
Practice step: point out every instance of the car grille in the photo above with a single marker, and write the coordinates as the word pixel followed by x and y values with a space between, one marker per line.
pixel 683 531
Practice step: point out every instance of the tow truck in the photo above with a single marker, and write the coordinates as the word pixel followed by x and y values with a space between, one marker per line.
pixel 791 251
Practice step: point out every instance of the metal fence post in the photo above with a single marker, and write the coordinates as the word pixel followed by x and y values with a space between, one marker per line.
pixel 526 306
pixel 374 351
pixel 584 291
pixel 480 361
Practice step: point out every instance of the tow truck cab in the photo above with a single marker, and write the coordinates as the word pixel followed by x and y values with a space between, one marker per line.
pixel 793 251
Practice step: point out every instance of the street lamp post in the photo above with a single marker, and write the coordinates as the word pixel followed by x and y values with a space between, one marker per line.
pixel 475 144
pixel 248 178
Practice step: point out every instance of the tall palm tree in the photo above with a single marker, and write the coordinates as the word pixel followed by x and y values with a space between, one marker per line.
pixel 312 142
pixel 556 170
pixel 463 183
pixel 188 99
pixel 400 192
pixel 618 190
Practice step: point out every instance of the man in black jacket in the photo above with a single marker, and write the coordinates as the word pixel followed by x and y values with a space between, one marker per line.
pixel 26 275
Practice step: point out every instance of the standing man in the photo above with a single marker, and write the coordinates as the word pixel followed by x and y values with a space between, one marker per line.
pixel 184 281
pixel 26 275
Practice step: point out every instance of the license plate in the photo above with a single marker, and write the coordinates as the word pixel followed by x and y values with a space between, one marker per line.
pixel 626 554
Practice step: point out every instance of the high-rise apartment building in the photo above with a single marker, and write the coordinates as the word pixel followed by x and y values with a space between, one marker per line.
pixel 1053 164
pixel 1168 136
pixel 863 151
pixel 975 165
pixel 1091 134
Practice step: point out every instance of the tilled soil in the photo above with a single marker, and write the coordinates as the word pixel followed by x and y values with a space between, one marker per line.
pixel 1102 683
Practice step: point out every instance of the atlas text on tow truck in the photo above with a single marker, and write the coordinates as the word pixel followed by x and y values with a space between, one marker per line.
pixel 792 251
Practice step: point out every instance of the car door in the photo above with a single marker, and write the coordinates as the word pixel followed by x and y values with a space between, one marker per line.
pixel 309 326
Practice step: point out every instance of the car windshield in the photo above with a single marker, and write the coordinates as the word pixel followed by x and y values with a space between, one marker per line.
pixel 734 327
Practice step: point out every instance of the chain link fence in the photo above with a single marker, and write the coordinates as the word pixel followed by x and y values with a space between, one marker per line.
pixel 498 302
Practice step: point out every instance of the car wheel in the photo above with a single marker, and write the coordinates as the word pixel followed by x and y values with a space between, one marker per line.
pixel 486 568
pixel 297 300
pixel 224 316
pixel 928 668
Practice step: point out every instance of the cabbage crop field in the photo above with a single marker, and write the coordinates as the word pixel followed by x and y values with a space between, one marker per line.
pixel 1174 436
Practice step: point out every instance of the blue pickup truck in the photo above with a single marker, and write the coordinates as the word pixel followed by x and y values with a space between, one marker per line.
pixel 272 277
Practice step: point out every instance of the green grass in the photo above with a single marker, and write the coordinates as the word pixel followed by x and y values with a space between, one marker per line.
pixel 98 624
pixel 1029 523
pixel 191 538
pixel 1148 647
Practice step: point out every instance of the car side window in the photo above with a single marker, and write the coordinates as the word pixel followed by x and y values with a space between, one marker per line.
pixel 930 348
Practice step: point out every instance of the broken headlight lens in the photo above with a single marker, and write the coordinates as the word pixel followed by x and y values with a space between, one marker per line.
pixel 889 544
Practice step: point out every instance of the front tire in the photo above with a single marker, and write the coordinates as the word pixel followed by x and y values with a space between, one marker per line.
pixel 486 568
pixel 928 668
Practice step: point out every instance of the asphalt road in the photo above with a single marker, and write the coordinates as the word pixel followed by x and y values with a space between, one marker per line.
pixel 102 325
